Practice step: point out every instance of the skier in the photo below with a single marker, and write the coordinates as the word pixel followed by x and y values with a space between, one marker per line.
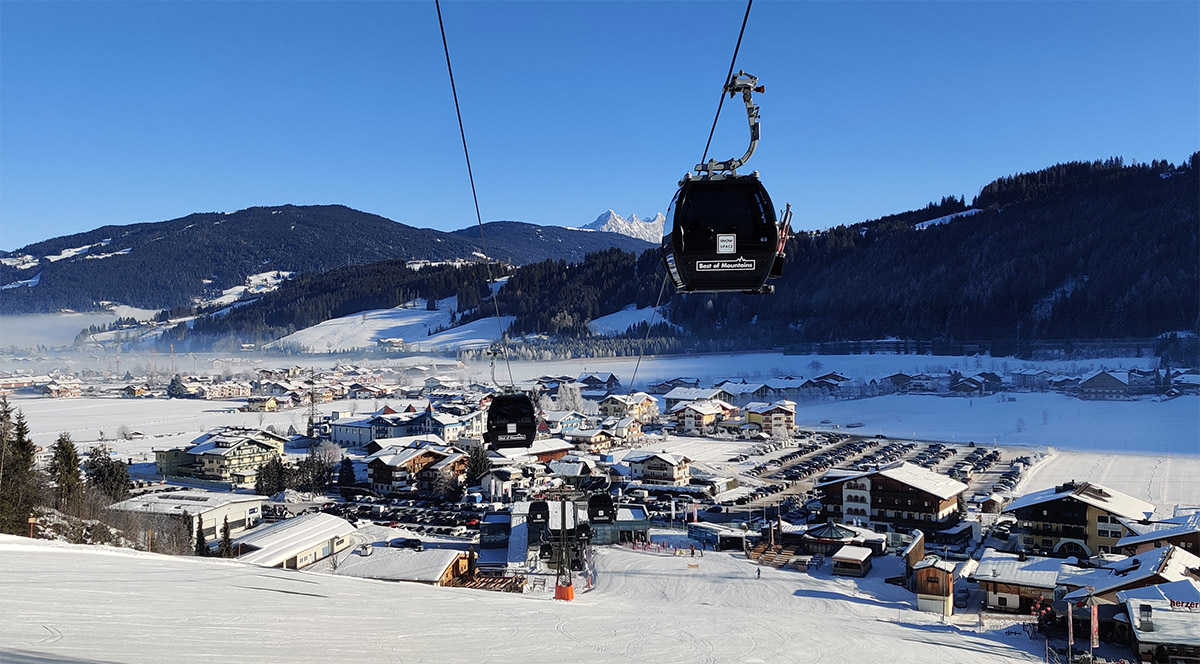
pixel 758 573
pixel 693 550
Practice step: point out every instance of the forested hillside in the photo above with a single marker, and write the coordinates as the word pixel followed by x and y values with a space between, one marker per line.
pixel 1078 250
pixel 167 264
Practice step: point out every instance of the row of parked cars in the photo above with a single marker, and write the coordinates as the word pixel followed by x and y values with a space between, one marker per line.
pixel 455 519
pixel 979 460
pixel 889 453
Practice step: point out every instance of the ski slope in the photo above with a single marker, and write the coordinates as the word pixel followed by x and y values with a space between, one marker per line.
pixel 411 322
pixel 75 603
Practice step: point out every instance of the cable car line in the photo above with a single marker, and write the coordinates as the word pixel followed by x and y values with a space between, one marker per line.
pixel 512 419
pixel 728 76
pixel 474 196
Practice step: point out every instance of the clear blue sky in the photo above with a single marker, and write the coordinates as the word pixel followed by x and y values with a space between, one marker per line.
pixel 120 112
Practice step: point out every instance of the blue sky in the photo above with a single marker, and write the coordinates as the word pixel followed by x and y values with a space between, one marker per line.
pixel 121 112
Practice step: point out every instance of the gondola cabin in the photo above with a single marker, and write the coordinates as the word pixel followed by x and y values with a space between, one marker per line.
pixel 724 235
pixel 600 509
pixel 539 512
pixel 511 421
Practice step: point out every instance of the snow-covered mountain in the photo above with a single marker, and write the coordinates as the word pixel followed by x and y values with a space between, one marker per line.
pixel 650 230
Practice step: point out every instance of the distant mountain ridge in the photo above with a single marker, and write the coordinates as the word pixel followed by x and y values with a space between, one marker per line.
pixel 650 230
pixel 158 265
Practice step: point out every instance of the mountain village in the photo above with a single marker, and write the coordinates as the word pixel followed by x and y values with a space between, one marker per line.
pixel 409 492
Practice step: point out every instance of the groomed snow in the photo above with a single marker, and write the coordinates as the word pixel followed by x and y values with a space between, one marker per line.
pixel 620 321
pixel 410 322
pixel 75 603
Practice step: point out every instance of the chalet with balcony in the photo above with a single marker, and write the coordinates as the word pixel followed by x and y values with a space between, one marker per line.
pixel 1075 519
pixel 777 420
pixel 900 497
pixel 225 454
pixel 639 405
pixel 659 468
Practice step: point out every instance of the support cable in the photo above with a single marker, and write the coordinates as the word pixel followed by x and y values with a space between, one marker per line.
pixel 478 217
pixel 728 76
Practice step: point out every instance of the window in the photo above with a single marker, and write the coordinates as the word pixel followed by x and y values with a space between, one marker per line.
pixel 1002 601
pixel 1102 519
pixel 1047 542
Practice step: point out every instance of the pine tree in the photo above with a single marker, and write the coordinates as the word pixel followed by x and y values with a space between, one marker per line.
pixel 17 475
pixel 226 548
pixel 271 478
pixel 346 473
pixel 108 475
pixel 176 389
pixel 201 545
pixel 65 473
pixel 478 463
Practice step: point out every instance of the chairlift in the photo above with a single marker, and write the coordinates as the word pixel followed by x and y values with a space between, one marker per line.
pixel 511 421
pixel 725 236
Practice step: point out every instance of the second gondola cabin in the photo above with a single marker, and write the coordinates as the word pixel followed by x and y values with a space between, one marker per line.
pixel 511 421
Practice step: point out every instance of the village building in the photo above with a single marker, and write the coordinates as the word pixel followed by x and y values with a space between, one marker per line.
pixel 590 440
pixel 666 386
pixel 777 420
pixel 1104 385
pixel 933 582
pixel 295 543
pixel 261 404
pixel 1182 531
pixel 225 454
pixel 680 395
pixel 207 508
pixel 1164 621
pixel 1075 519
pixel 434 567
pixel 417 467
pixel 1013 582
pixel 639 405
pixel 852 560
pixel 541 450
pixel 1101 584
pixel 659 468
pixel 899 497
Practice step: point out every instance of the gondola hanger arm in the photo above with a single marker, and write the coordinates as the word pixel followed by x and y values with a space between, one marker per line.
pixel 746 85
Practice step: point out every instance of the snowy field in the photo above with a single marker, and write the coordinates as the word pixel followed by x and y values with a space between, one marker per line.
pixel 1163 480
pixel 91 604
pixel 165 422
pixel 713 368
pixel 1030 419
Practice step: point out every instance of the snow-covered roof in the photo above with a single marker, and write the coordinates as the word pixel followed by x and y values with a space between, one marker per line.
pixel 1170 563
pixel 277 542
pixel 853 554
pixel 936 563
pixel 760 407
pixel 1172 616
pixel 922 479
pixel 1102 497
pixel 639 457
pixel 1157 530
pixel 183 502
pixel 1033 572
pixel 390 564
pixel 692 393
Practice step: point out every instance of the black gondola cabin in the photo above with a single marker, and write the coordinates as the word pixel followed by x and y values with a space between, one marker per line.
pixel 511 421
pixel 724 235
